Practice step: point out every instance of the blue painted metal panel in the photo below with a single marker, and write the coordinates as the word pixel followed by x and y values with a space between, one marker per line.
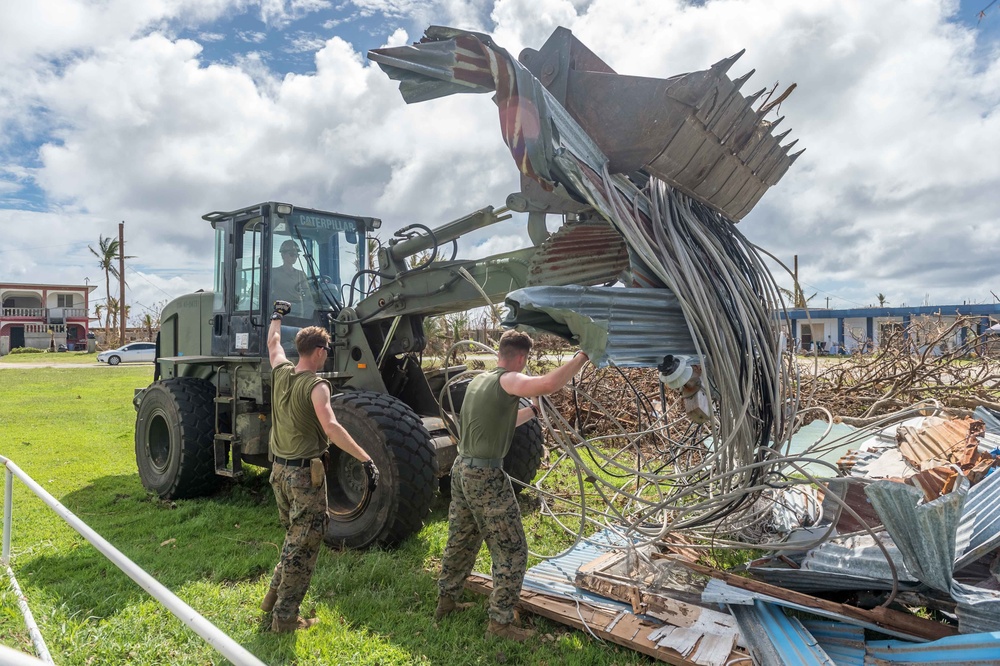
pixel 983 648
pixel 776 639
pixel 844 643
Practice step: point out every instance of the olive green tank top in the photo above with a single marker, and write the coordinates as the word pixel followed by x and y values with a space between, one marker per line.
pixel 489 416
pixel 295 430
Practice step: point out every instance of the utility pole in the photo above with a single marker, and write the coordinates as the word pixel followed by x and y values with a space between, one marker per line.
pixel 121 277
pixel 827 302
pixel 799 301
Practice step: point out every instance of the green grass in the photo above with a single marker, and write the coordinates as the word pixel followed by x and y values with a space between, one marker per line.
pixel 71 430
pixel 80 357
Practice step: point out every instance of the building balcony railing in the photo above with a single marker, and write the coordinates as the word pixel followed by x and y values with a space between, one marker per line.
pixel 49 314
pixel 26 313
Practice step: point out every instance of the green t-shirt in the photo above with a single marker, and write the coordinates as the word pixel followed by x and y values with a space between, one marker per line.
pixel 295 430
pixel 489 416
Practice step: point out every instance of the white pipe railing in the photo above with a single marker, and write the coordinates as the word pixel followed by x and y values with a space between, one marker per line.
pixel 11 657
pixel 229 648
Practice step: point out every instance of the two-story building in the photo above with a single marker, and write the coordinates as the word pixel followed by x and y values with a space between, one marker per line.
pixel 43 315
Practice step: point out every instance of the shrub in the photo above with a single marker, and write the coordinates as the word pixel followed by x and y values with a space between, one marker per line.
pixel 27 350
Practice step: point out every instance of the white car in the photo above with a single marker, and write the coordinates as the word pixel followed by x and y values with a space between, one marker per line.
pixel 133 352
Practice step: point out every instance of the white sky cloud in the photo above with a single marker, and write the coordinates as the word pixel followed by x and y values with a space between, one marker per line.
pixel 897 107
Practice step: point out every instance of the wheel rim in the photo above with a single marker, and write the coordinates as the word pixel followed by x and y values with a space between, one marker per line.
pixel 158 442
pixel 346 487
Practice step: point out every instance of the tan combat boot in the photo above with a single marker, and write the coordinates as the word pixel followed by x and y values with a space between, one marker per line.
pixel 448 605
pixel 508 631
pixel 288 626
pixel 271 598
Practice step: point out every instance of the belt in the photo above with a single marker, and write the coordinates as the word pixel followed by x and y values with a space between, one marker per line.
pixel 294 462
pixel 487 463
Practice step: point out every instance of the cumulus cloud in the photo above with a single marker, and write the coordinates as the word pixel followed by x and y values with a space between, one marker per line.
pixel 897 109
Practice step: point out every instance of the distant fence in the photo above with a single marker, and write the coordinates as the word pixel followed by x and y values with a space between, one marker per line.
pixel 229 648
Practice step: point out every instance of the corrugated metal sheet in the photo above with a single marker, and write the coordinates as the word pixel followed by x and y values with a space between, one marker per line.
pixel 938 439
pixel 989 419
pixel 582 254
pixel 888 464
pixel 980 522
pixel 924 532
pixel 855 563
pixel 557 575
pixel 776 639
pixel 978 609
pixel 843 642
pixel 630 327
pixel 980 648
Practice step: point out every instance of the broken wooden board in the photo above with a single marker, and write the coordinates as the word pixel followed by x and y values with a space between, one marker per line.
pixel 896 621
pixel 609 576
pixel 619 627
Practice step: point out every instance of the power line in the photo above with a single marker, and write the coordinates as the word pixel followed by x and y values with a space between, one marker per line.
pixel 147 282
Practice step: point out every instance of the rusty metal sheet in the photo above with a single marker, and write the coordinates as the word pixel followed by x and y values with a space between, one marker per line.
pixel 938 439
pixel 583 254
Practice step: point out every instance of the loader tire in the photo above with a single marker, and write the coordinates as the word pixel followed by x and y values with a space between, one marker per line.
pixel 174 435
pixel 396 439
pixel 526 447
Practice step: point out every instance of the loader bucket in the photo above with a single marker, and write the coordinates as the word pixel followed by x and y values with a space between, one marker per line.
pixel 695 131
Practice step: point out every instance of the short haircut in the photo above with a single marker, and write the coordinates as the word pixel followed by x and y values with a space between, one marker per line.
pixel 514 342
pixel 311 338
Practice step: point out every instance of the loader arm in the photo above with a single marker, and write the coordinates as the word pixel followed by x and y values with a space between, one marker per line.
pixel 446 287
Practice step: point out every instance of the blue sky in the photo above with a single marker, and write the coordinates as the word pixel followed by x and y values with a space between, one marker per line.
pixel 159 111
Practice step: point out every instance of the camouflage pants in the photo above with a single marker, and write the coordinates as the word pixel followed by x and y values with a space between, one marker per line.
pixel 483 507
pixel 302 510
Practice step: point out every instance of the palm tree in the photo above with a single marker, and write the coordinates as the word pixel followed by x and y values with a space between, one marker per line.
pixel 113 309
pixel 147 323
pixel 797 297
pixel 881 300
pixel 98 310
pixel 106 259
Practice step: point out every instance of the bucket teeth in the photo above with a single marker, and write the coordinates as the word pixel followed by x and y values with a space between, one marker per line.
pixel 723 65
pixel 738 83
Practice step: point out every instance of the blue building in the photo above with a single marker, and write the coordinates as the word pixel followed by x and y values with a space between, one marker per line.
pixel 847 329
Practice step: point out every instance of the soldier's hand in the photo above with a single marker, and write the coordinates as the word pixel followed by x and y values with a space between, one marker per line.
pixel 372 471
pixel 281 308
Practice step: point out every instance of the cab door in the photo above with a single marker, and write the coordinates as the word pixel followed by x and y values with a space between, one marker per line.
pixel 247 322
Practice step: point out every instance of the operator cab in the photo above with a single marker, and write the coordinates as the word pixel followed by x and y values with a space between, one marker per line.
pixel 275 251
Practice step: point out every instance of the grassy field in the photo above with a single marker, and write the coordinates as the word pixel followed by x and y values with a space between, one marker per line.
pixel 71 430
pixel 75 357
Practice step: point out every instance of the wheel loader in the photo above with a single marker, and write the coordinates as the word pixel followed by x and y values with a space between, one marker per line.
pixel 207 413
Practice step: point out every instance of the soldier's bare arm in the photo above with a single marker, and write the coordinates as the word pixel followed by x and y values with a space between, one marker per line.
pixel 525 386
pixel 336 432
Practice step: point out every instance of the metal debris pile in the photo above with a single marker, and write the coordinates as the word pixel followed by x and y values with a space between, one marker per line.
pixel 725 463
pixel 896 559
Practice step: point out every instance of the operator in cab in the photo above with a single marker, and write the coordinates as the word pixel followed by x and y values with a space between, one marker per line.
pixel 302 423
pixel 289 283
pixel 483 506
